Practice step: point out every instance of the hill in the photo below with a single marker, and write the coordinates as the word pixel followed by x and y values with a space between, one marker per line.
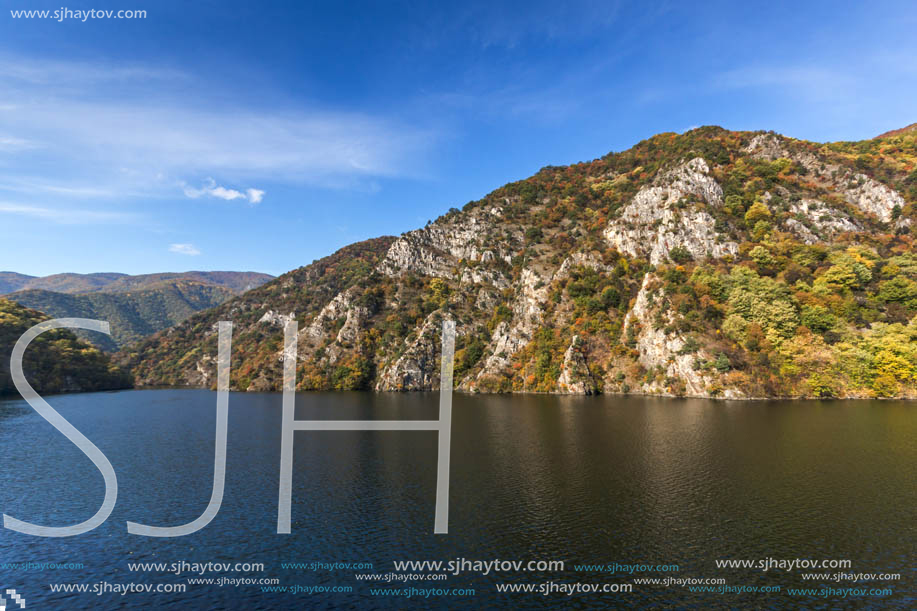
pixel 237 282
pixel 899 132
pixel 56 361
pixel 11 281
pixel 133 315
pixel 711 263
pixel 136 306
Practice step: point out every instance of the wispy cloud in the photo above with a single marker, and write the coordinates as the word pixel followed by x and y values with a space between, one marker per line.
pixel 67 216
pixel 43 186
pixel 58 73
pixel 494 24
pixel 8 143
pixel 184 249
pixel 98 119
pixel 212 189
pixel 810 81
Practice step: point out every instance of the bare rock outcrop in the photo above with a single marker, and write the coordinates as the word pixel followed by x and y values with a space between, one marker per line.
pixel 867 194
pixel 484 275
pixel 663 216
pixel 580 259
pixel 276 318
pixel 575 377
pixel 510 337
pixel 658 348
pixel 437 249
pixel 335 309
pixel 873 197
pixel 418 366
pixel 815 221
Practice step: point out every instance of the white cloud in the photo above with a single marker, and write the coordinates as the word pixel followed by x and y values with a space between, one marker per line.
pixel 184 249
pixel 212 189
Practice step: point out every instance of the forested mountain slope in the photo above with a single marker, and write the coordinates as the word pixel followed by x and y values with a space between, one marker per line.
pixel 711 263
pixel 132 314
pixel 55 361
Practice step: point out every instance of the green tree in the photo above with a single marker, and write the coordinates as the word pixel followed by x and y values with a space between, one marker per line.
pixel 757 212
pixel 680 254
pixel 817 318
pixel 763 257
pixel 722 363
pixel 734 327
pixel 899 290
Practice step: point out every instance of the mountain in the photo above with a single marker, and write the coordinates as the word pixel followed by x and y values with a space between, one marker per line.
pixel 133 315
pixel 712 263
pixel 899 132
pixel 136 306
pixel 237 282
pixel 11 281
pixel 259 314
pixel 56 361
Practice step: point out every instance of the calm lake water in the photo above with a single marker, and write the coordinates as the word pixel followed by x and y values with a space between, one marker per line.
pixel 586 480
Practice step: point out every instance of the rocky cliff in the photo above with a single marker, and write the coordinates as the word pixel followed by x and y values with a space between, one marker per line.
pixel 712 263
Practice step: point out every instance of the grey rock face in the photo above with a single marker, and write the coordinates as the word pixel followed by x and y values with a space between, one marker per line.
pixel 437 249
pixel 873 197
pixel 658 348
pixel 575 377
pixel 870 196
pixel 661 217
pixel 337 308
pixel 418 367
pixel 580 259
pixel 819 222
pixel 509 338
pixel 276 318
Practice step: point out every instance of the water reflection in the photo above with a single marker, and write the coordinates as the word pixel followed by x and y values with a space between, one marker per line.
pixel 582 479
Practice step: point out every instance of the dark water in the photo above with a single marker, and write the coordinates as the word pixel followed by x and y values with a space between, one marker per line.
pixel 584 480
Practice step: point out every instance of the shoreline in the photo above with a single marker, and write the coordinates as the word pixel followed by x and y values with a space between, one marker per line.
pixel 494 394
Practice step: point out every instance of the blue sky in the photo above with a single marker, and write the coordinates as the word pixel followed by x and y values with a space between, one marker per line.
pixel 260 136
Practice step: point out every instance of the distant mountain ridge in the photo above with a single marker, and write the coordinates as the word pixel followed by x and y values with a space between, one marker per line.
pixel 133 315
pixel 136 306
pixel 237 282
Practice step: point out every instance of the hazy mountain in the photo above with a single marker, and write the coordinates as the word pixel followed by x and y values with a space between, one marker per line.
pixel 136 306
pixel 11 281
pixel 56 361
pixel 712 263
pixel 236 282
pixel 133 315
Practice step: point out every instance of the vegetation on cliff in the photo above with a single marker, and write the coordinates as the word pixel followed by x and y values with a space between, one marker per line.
pixel 710 263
